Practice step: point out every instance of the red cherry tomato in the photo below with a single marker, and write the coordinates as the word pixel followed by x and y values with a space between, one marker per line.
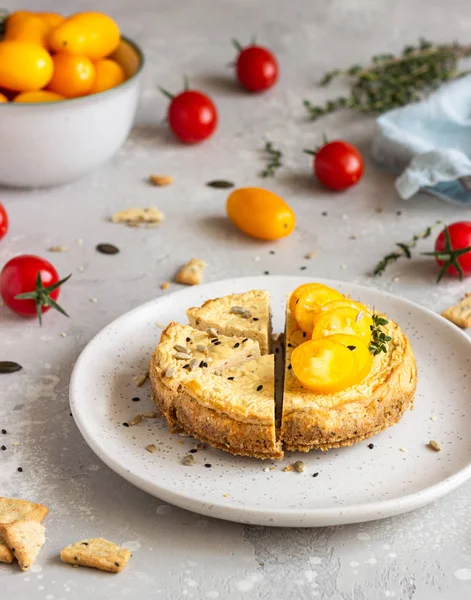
pixel 3 222
pixel 192 116
pixel 338 165
pixel 454 250
pixel 33 278
pixel 256 68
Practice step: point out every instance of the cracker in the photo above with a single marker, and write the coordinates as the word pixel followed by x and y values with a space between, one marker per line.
pixel 460 313
pixel 160 180
pixel 98 553
pixel 191 273
pixel 12 509
pixel 25 539
pixel 136 216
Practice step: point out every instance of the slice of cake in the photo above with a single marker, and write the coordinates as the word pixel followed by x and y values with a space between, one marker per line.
pixel 246 315
pixel 313 420
pixel 225 397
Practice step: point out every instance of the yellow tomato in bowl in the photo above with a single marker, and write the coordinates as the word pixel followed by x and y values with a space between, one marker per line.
pixel 73 75
pixel 108 74
pixel 36 97
pixel 260 213
pixel 90 34
pixel 24 67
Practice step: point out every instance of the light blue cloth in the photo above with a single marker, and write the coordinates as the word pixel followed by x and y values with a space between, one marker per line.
pixel 429 143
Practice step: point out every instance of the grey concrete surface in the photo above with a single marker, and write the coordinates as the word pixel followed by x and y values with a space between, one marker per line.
pixel 425 555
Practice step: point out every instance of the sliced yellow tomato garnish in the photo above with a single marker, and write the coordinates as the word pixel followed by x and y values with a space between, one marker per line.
pixel 360 351
pixel 299 291
pixel 344 302
pixel 343 320
pixel 310 302
pixel 324 366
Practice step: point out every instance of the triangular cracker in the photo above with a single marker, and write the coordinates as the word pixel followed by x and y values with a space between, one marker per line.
pixel 25 539
pixel 98 553
pixel 13 509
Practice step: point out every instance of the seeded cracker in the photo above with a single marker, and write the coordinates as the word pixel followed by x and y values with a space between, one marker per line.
pixel 11 510
pixel 460 313
pixel 191 273
pixel 98 553
pixel 137 216
pixel 25 538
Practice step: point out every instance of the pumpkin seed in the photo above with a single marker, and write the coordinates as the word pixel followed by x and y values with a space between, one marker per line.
pixel 8 366
pixel 107 249
pixel 220 183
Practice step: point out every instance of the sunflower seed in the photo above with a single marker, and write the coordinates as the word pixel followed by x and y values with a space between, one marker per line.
pixel 151 448
pixel 238 310
pixel 435 445
pixel 220 183
pixel 212 332
pixel 149 415
pixel 180 348
pixel 170 372
pixel 246 315
pixel 359 316
pixel 140 380
pixel 135 420
pixel 188 460
pixel 182 355
pixel 194 362
pixel 200 347
pixel 107 249
pixel 8 366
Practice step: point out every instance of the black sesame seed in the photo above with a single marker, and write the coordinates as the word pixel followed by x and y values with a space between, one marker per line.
pixel 125 424
pixel 303 268
pixel 255 319
pixel 277 350
pixel 371 446
pixel 266 272
pixel 188 339
pixel 290 345
pixel 208 465
pixel 304 334
pixel 260 387
pixel 272 252
pixel 193 450
pixel 351 347
pixel 218 343
pixel 186 366
pixel 4 447
pixel 4 431
pixel 203 363
pixel 244 340
pixel 289 367
pixel 315 474
pixel 324 214
pixel 236 345
pixel 20 469
pixel 117 564
pixel 399 213
pixel 84 543
pixel 231 378
pixel 135 399
pixel 214 340
pixel 75 558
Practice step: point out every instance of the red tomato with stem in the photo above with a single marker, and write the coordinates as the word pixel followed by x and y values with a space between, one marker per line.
pixel 338 165
pixel 453 250
pixel 192 115
pixel 30 286
pixel 3 222
pixel 256 67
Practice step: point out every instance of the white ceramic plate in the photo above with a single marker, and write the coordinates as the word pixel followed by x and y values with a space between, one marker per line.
pixel 353 484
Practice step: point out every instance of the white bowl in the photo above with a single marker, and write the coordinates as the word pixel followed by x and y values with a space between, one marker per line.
pixel 53 143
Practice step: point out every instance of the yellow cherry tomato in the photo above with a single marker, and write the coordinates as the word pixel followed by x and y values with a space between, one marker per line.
pixel 89 34
pixel 108 74
pixel 343 320
pixel 362 355
pixel 24 67
pixel 51 19
pixel 324 366
pixel 39 96
pixel 3 98
pixel 73 75
pixel 310 302
pixel 16 16
pixel 27 28
pixel 260 213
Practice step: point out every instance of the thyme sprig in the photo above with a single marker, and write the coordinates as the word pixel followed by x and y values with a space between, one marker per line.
pixel 404 250
pixel 379 339
pixel 273 160
pixel 392 81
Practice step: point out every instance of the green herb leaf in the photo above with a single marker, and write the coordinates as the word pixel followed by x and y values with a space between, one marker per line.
pixel 273 158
